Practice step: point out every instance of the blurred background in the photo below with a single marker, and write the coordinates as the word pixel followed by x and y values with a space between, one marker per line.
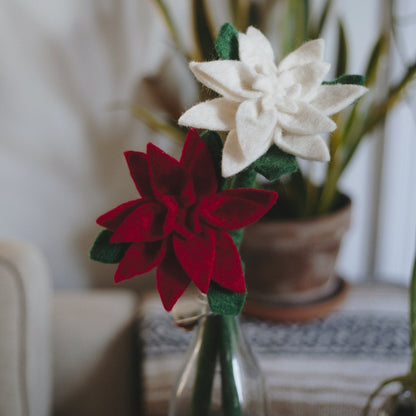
pixel 68 73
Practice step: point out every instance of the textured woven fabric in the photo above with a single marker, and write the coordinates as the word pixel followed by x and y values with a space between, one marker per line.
pixel 323 367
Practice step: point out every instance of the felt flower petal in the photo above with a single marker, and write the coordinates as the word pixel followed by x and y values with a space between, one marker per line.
pixel 235 208
pixel 306 121
pixel 254 48
pixel 232 79
pixel 139 258
pixel 217 114
pixel 309 52
pixel 139 171
pixel 332 98
pixel 197 157
pixel 306 147
pixel 309 77
pixel 227 271
pixel 233 159
pixel 145 223
pixel 196 256
pixel 112 219
pixel 255 126
pixel 167 175
pixel 171 280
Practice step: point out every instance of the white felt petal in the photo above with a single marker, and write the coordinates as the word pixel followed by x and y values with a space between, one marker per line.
pixel 217 114
pixel 306 147
pixel 254 48
pixel 309 52
pixel 333 98
pixel 232 79
pixel 306 121
pixel 309 76
pixel 233 160
pixel 255 127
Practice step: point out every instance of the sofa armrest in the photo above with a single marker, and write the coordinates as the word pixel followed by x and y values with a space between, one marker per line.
pixel 25 356
pixel 97 355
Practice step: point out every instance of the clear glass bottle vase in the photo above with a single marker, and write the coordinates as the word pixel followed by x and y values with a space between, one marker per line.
pixel 399 404
pixel 220 376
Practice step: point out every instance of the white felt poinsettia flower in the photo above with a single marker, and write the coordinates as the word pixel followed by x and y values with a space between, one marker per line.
pixel 262 103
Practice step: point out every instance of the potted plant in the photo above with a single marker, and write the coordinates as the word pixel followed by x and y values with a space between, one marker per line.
pixel 306 209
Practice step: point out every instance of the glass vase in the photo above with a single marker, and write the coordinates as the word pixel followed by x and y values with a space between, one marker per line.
pixel 220 375
pixel 400 404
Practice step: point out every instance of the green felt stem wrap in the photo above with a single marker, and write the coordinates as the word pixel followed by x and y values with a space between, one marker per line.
pixel 219 340
pixel 207 358
pixel 228 343
pixel 223 301
pixel 214 143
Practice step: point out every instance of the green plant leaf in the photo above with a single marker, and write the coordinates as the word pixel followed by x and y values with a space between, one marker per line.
pixel 160 4
pixel 378 51
pixel 347 79
pixel 342 50
pixel 225 302
pixel 213 140
pixel 226 44
pixel 316 32
pixel 146 116
pixel 275 163
pixel 203 31
pixel 106 252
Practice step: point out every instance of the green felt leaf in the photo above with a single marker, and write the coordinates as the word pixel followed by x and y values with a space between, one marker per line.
pixel 244 179
pixel 275 163
pixel 347 79
pixel 104 251
pixel 226 44
pixel 225 302
pixel 213 140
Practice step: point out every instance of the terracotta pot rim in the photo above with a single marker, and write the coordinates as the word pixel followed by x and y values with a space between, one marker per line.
pixel 344 208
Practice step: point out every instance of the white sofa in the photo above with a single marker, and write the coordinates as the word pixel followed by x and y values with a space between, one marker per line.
pixel 64 354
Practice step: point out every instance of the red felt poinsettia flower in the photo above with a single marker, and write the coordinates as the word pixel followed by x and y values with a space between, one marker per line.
pixel 180 224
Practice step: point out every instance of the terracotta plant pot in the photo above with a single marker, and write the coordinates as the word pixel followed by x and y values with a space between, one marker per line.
pixel 290 265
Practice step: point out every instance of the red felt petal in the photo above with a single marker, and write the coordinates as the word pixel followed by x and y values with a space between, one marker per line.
pixel 236 208
pixel 139 171
pixel 227 271
pixel 167 175
pixel 146 223
pixel 140 258
pixel 196 256
pixel 192 142
pixel 112 219
pixel 197 158
pixel 171 280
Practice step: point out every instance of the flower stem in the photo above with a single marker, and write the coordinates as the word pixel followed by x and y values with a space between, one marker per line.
pixel 207 358
pixel 230 397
